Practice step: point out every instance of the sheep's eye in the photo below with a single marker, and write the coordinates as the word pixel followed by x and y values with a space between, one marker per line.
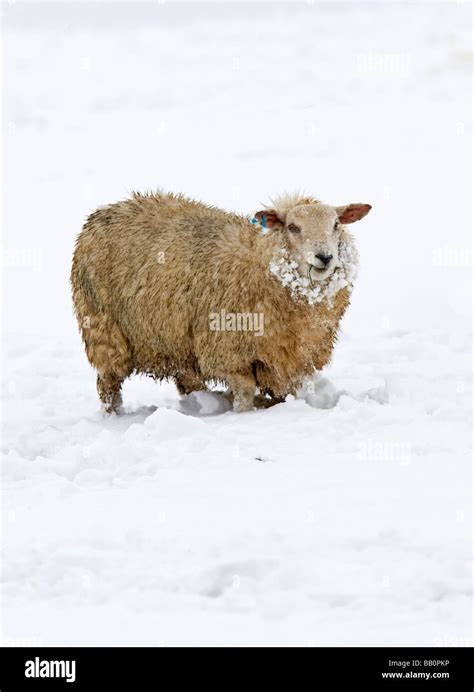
pixel 337 225
pixel 293 228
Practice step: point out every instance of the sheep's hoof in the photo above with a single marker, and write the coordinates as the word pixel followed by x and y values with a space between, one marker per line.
pixel 243 404
pixel 265 401
pixel 243 408
pixel 110 408
pixel 112 404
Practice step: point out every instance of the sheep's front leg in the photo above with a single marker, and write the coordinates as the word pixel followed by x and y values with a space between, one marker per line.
pixel 243 388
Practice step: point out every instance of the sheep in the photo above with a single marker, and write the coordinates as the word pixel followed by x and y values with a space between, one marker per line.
pixel 170 287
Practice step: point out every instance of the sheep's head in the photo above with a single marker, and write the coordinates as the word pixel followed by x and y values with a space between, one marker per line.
pixel 311 231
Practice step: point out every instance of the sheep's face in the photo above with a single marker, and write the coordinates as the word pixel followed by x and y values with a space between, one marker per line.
pixel 312 233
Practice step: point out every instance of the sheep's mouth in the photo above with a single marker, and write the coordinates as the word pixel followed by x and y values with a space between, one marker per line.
pixel 315 272
pixel 317 275
pixel 319 270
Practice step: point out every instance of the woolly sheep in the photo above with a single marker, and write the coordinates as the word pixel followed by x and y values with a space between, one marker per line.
pixel 170 287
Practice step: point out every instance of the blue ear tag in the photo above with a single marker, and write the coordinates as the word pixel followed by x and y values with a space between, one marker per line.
pixel 262 222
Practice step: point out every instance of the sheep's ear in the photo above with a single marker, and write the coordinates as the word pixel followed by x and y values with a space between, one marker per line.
pixel 269 218
pixel 352 212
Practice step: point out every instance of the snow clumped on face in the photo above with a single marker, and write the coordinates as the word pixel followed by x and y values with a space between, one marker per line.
pixel 303 288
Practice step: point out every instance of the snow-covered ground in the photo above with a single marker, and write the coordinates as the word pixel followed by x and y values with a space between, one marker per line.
pixel 339 518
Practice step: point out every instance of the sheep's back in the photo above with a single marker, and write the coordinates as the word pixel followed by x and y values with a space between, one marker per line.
pixel 151 264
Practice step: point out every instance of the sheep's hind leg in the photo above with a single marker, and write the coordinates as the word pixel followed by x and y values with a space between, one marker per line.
pixel 243 388
pixel 107 349
pixel 109 389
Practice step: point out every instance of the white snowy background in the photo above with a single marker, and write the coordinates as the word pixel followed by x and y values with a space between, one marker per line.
pixel 339 518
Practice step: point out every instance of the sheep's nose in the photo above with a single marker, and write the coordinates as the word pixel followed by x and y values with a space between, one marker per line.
pixel 325 259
